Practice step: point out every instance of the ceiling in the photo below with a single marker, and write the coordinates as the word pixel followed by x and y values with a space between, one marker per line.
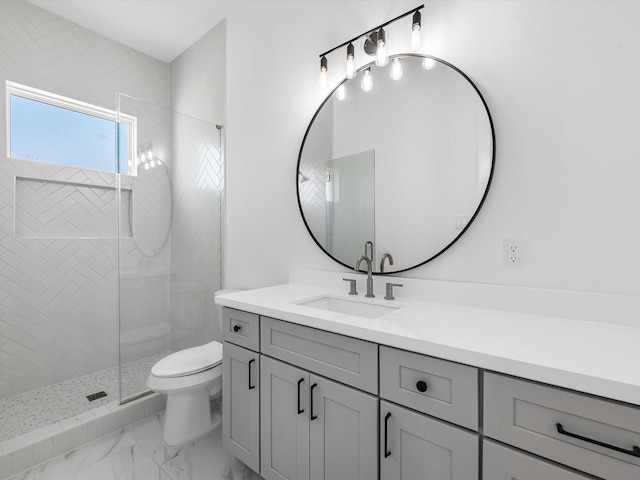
pixel 162 29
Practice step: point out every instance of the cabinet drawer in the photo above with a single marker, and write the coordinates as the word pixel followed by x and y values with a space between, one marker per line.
pixel 241 328
pixel 502 463
pixel 529 416
pixel 345 359
pixel 451 389
pixel 414 446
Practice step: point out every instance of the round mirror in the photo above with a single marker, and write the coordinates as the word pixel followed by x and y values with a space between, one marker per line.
pixel 397 160
pixel 151 208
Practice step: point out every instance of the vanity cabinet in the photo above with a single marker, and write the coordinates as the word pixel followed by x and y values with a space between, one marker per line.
pixel 301 403
pixel 593 435
pixel 439 388
pixel 414 445
pixel 314 428
pixel 347 360
pixel 503 463
pixel 241 387
pixel 417 446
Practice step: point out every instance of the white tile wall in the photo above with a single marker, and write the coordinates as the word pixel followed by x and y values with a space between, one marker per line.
pixel 58 296
pixel 198 92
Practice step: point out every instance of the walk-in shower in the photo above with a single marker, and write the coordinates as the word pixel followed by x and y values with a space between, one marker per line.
pixel 102 273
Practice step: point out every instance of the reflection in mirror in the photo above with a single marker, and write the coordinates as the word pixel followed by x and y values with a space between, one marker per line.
pixel 432 139
pixel 151 206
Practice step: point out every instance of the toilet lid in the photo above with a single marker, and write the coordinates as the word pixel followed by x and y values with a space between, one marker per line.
pixel 189 361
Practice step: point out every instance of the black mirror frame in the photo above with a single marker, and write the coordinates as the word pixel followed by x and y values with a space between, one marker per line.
pixel 480 204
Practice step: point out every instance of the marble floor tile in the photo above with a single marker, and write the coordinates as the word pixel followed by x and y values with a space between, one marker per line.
pixel 137 452
pixel 207 459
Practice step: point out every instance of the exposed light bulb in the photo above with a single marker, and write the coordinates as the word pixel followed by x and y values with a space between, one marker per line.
pixel 428 63
pixel 416 38
pixel 323 73
pixel 381 51
pixel 351 64
pixel 396 69
pixel 367 81
pixel 146 166
pixel 341 93
pixel 416 33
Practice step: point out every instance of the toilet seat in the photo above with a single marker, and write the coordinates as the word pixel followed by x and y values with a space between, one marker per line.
pixel 189 361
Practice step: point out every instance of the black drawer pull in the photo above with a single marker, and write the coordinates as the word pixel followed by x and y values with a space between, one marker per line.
pixel 236 328
pixel 386 424
pixel 313 417
pixel 251 387
pixel 300 410
pixel 635 451
pixel 421 386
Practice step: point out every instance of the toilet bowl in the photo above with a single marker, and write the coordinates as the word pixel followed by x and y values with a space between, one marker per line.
pixel 189 378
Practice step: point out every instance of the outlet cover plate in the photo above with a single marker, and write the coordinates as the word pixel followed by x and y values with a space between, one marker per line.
pixel 512 252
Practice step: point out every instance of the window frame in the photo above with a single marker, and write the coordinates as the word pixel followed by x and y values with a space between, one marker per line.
pixel 30 93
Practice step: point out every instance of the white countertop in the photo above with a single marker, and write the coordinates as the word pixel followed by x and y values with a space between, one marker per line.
pixel 597 358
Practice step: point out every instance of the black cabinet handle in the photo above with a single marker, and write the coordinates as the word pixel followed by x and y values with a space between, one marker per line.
pixel 251 387
pixel 299 409
pixel 421 386
pixel 313 417
pixel 635 450
pixel 386 424
pixel 236 328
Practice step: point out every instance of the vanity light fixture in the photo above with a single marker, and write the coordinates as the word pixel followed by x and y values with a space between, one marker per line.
pixel 381 49
pixel 367 80
pixel 396 69
pixel 416 34
pixel 323 72
pixel 351 64
pixel 375 44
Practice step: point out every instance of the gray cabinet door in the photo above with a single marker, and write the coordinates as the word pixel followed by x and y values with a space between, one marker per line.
pixel 502 463
pixel 344 432
pixel 284 421
pixel 241 404
pixel 416 447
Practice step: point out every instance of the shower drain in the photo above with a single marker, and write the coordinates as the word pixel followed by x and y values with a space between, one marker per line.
pixel 95 396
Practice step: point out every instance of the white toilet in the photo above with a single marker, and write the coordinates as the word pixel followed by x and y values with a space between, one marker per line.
pixel 189 378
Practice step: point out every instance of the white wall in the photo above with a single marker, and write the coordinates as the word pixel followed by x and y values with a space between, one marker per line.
pixel 561 81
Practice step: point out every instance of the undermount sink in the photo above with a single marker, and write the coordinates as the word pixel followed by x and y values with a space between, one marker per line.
pixel 350 307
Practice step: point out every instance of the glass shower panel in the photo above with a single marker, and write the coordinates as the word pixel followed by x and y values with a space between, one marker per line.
pixel 170 264
pixel 145 254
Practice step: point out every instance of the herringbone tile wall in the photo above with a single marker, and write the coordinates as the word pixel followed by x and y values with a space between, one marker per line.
pixel 58 296
pixel 198 92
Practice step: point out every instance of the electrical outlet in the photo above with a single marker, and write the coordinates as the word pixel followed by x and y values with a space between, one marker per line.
pixel 512 253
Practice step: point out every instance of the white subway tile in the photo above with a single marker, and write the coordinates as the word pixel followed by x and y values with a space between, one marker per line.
pixel 110 422
pixel 42 450
pixel 6 464
pixel 78 435
pixel 22 459
pixel 95 429
pixel 151 405
pixel 61 443
pixel 124 416
pixel 137 410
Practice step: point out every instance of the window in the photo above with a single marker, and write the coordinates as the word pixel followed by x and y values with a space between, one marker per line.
pixel 49 128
